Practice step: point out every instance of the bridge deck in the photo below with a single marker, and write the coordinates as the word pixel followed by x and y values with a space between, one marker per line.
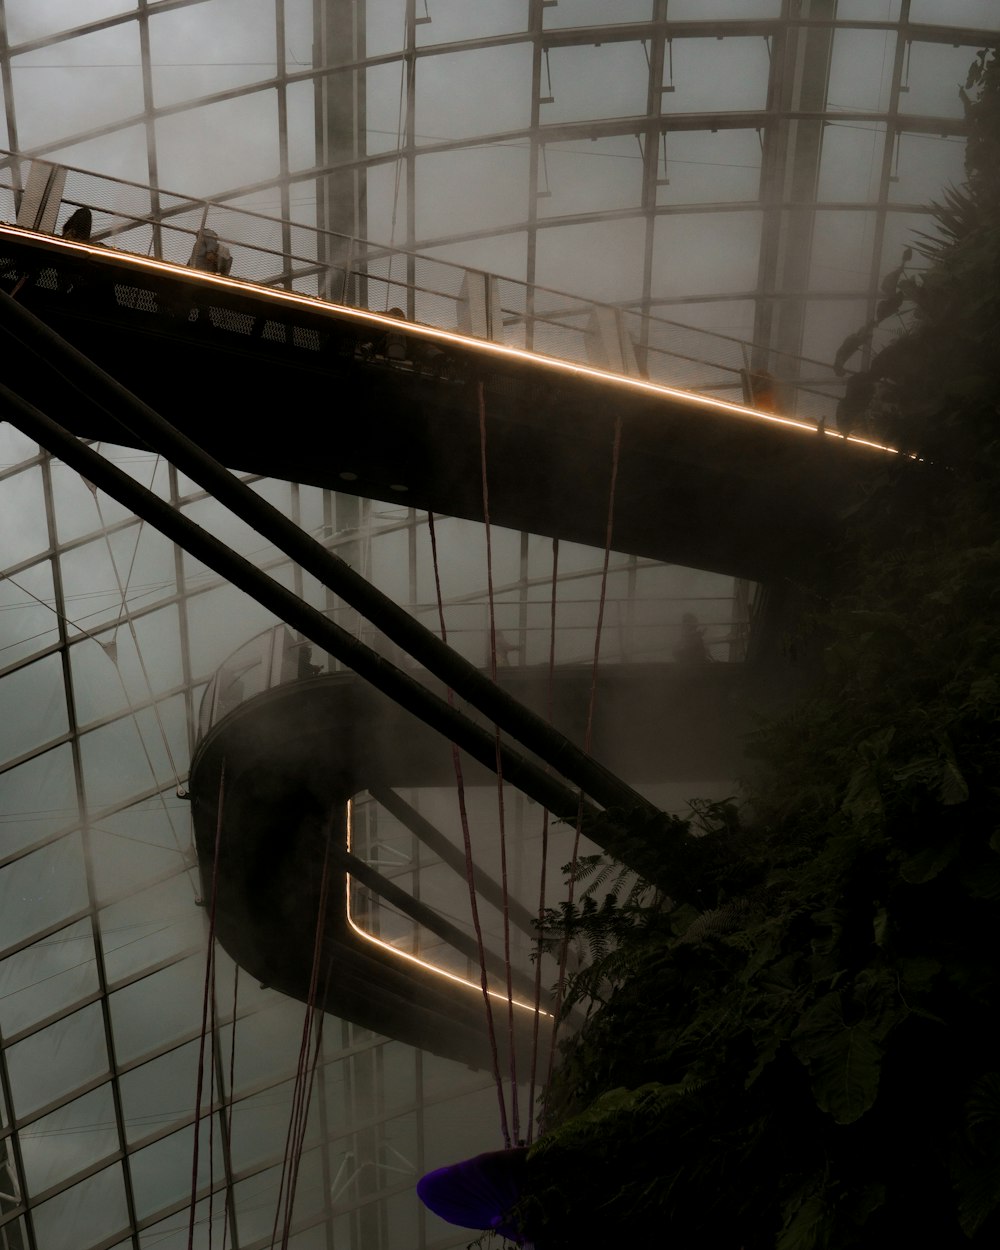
pixel 277 383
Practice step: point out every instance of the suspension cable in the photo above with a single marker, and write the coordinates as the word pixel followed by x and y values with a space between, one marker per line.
pixel 515 1110
pixel 550 691
pixel 592 702
pixel 470 875
pixel 209 961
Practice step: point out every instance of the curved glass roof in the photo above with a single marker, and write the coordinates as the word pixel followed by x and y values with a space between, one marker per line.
pixel 749 167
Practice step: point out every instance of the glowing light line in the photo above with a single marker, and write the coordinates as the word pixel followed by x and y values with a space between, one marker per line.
pixel 415 959
pixel 294 299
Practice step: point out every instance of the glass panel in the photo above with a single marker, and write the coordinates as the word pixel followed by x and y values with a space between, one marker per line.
pixel 860 71
pixel 589 176
pixel 140 845
pixel 456 19
pixel 42 888
pixel 109 674
pixel 851 163
pixel 37 798
pixel 597 12
pixel 99 72
pixel 592 82
pixel 842 251
pixel 57 1060
pixel 172 1233
pixel 32 707
pixel 161 1173
pixel 238 137
pixel 493 182
pixel 935 73
pixel 25 531
pixel 152 1012
pixel 150 926
pixel 85 1214
pixel 267 1043
pixel 225 44
pixel 474 92
pixel 130 755
pixel 700 167
pixel 47 977
pixel 614 261
pixel 28 20
pixel 958 13
pixel 923 165
pixel 14 447
pixel 27 625
pixel 69 1140
pixel 731 241
pixel 161 1092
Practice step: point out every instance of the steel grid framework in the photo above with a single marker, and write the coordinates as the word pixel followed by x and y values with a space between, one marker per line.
pixel 58 860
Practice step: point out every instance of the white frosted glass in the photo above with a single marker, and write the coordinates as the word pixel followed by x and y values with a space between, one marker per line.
pixel 37 798
pixel 85 1214
pixel 475 92
pixel 99 70
pixel 57 1060
pixel 27 625
pixel 110 674
pixel 137 846
pixel 149 926
pixel 130 755
pixel 161 1092
pixel 161 1173
pixel 32 707
pixel 14 446
pixel 25 532
pixel 41 888
pixel 158 1009
pixel 47 977
pixel 69 1140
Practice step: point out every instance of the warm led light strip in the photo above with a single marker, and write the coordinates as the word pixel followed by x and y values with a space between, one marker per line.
pixel 294 299
pixel 413 959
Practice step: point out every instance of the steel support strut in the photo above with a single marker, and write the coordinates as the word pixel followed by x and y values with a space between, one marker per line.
pixel 529 729
pixel 478 742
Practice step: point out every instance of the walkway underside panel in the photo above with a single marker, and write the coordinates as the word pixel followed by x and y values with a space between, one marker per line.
pixel 296 389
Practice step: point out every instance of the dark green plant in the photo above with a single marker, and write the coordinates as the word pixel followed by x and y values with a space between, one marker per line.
pixel 793 1036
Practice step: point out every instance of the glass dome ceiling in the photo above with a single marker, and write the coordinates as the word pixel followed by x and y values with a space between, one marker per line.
pixel 750 167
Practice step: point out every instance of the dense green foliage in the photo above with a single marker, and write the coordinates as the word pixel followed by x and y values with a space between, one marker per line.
pixel 793 1037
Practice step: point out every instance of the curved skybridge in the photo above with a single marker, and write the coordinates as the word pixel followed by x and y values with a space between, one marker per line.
pixel 274 368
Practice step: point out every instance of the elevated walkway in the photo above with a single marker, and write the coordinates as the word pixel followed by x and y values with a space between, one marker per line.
pixel 280 757
pixel 279 383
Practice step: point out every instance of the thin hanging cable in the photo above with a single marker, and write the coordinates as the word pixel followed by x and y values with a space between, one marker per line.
pixel 301 1137
pixel 123 593
pixel 209 960
pixel 399 168
pixel 514 1101
pixel 232 1096
pixel 295 1134
pixel 592 702
pixel 470 875
pixel 212 1054
pixel 545 855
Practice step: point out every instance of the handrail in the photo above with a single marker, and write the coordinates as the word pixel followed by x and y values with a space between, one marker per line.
pixel 361 273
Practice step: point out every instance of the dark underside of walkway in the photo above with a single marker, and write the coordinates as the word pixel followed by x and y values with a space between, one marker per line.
pixel 305 392
pixel 293 757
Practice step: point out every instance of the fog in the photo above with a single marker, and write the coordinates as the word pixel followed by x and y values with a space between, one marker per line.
pixel 109 634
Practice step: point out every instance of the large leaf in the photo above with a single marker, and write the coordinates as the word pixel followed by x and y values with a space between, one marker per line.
pixel 842 1059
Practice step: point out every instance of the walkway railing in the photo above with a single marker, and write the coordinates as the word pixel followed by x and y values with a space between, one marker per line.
pixel 356 272
pixel 661 629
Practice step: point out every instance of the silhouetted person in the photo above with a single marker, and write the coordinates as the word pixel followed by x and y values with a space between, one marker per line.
pixel 395 343
pixel 78 226
pixel 691 649
pixel 210 254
